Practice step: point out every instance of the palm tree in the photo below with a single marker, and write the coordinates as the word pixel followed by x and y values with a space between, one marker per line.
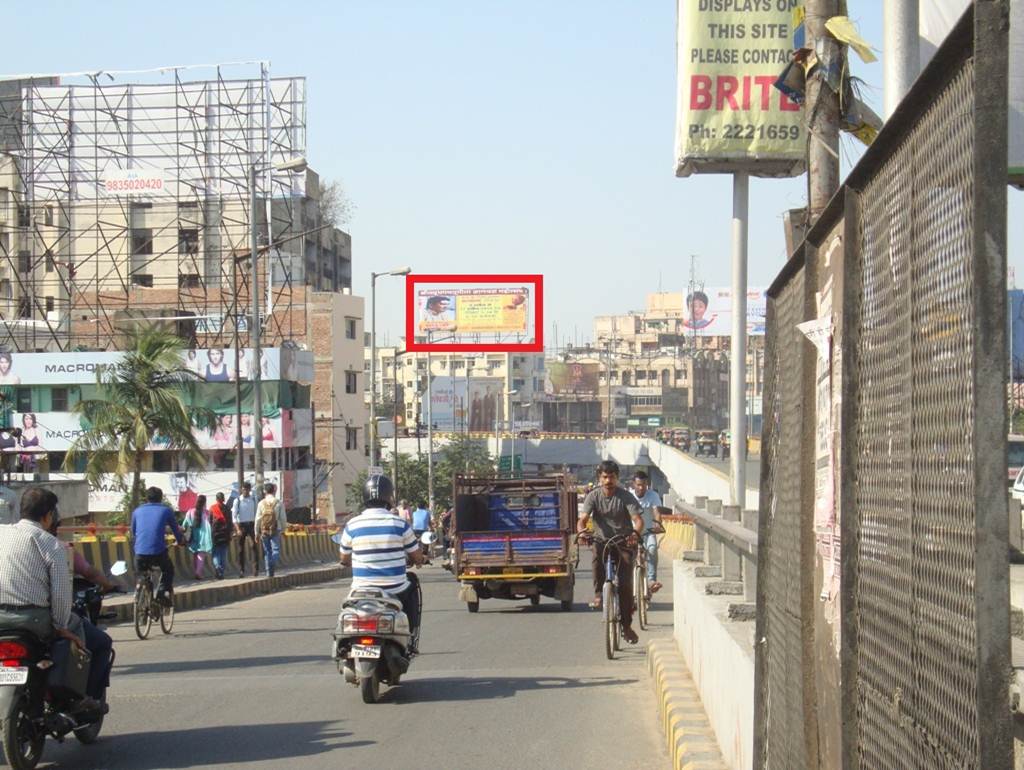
pixel 140 399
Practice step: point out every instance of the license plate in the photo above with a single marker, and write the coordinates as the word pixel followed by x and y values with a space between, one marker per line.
pixel 510 570
pixel 13 675
pixel 365 651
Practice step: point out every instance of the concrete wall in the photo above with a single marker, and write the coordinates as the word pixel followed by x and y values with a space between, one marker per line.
pixel 720 655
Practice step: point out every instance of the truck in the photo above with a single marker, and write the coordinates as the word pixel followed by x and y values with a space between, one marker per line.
pixel 512 538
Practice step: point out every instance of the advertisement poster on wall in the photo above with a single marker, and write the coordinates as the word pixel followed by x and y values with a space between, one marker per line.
pixel 708 312
pixel 572 377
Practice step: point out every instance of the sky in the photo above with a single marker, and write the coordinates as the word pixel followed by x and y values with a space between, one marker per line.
pixel 532 136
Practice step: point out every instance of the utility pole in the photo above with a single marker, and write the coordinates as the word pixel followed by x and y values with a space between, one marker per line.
pixel 822 109
pixel 312 459
pixel 239 443
pixel 902 61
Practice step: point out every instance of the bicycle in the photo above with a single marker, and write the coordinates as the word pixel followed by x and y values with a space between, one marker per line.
pixel 611 613
pixel 641 585
pixel 147 606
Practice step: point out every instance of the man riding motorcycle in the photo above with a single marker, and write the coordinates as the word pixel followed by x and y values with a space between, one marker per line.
pixel 380 545
pixel 35 587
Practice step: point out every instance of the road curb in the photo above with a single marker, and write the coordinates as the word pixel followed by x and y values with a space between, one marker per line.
pixel 691 741
pixel 194 596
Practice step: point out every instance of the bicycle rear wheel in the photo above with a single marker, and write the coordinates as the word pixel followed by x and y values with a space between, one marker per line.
pixel 611 620
pixel 167 616
pixel 141 614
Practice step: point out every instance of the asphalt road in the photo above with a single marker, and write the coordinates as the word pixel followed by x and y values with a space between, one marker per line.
pixel 251 685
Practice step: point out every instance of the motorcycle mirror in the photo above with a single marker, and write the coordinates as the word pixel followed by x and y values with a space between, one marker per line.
pixel 427 538
pixel 118 568
pixel 336 538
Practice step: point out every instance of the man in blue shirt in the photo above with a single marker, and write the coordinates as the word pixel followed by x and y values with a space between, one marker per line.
pixel 649 501
pixel 420 520
pixel 149 527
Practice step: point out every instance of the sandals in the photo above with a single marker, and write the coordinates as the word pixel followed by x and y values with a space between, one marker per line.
pixel 655 587
pixel 595 603
pixel 630 635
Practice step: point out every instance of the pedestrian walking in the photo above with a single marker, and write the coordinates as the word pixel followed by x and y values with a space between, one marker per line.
pixel 245 528
pixel 199 535
pixel 270 523
pixel 220 525
pixel 420 520
pixel 405 512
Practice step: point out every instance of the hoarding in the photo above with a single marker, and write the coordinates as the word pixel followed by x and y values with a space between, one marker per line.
pixel 57 431
pixel 460 313
pixel 454 400
pixel 473 310
pixel 572 377
pixel 181 489
pixel 708 312
pixel 211 365
pixel 729 115
pixel 132 181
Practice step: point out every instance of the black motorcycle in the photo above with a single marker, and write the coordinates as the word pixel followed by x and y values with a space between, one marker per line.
pixel 42 685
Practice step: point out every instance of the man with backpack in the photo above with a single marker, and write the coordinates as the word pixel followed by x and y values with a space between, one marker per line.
pixel 220 522
pixel 270 523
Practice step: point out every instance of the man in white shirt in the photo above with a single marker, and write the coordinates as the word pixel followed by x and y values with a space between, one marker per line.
pixel 649 501
pixel 245 528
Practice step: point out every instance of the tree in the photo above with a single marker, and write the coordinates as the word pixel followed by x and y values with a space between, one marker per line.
pixel 139 400
pixel 336 207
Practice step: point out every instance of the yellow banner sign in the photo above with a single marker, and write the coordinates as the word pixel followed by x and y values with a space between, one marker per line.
pixel 730 117
pixel 474 311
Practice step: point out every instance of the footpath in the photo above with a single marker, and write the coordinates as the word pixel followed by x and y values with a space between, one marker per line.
pixel 305 559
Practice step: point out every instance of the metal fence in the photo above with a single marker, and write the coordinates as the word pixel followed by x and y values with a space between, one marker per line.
pixel 883 596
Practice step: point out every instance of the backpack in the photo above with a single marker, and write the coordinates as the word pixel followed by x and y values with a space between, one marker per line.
pixel 266 516
pixel 221 527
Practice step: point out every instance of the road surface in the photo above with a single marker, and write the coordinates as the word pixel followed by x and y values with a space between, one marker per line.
pixel 251 685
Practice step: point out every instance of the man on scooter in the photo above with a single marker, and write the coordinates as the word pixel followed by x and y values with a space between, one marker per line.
pixel 379 545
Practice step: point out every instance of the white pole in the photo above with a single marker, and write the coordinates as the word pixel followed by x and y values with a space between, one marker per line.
pixel 373 369
pixel 901 54
pixel 738 358
pixel 430 433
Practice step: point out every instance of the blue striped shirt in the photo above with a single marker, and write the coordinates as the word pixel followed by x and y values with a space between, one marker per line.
pixel 378 541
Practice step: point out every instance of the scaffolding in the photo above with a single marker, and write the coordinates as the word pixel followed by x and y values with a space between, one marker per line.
pixel 129 197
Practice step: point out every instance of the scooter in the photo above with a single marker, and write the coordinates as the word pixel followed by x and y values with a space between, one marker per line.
pixel 41 685
pixel 372 643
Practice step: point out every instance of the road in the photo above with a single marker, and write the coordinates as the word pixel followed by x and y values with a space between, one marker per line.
pixel 251 685
pixel 753 466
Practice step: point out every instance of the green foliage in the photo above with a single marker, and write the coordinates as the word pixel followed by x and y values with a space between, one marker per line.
pixel 462 455
pixel 138 400
pixel 1017 421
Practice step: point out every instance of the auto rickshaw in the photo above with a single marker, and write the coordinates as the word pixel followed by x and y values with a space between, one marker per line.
pixel 681 439
pixel 707 443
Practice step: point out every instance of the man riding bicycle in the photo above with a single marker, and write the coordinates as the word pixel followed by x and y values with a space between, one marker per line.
pixel 379 545
pixel 650 502
pixel 150 522
pixel 616 513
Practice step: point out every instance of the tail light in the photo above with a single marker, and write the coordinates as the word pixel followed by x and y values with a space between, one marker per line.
pixel 12 654
pixel 553 570
pixel 472 570
pixel 367 640
pixel 375 624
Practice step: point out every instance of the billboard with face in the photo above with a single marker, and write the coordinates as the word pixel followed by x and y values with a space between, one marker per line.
pixel 708 312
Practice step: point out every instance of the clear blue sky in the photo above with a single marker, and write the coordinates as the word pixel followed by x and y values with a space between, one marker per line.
pixel 533 136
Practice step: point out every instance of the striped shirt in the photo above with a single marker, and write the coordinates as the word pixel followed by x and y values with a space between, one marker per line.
pixel 378 541
pixel 34 570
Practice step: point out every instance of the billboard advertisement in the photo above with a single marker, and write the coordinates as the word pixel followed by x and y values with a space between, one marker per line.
pixel 57 431
pixel 729 115
pixel 211 365
pixel 473 310
pixel 454 401
pixel 563 377
pixel 181 489
pixel 708 312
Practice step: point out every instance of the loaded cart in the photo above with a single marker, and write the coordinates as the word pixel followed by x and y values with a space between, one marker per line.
pixel 513 538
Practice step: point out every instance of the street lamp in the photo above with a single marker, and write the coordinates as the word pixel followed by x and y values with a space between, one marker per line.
pixel 514 404
pixel 373 356
pixel 294 165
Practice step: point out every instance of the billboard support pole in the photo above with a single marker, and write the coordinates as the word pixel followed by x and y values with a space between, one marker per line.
pixel 430 432
pixel 738 346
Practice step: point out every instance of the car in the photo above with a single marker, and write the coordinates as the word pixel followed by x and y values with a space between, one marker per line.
pixel 1017 490
pixel 1014 457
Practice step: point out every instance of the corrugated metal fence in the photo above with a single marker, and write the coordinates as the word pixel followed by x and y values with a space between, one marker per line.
pixel 883 598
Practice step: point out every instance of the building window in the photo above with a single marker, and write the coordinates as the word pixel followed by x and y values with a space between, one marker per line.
pixel 351 439
pixel 165 461
pixel 188 241
pixel 50 264
pixel 24 261
pixel 24 307
pixel 188 280
pixel 5 289
pixel 48 216
pixel 23 399
pixel 59 400
pixel 350 328
pixel 351 382
pixel 142 241
pixel 143 279
pixel 518 384
pixel 24 216
pixel 49 304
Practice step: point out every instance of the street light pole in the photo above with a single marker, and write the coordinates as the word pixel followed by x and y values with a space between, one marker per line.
pixel 254 332
pixel 373 356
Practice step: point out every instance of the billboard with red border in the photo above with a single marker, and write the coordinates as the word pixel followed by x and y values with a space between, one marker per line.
pixel 474 313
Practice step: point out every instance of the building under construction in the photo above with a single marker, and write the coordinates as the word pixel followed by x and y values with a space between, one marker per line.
pixel 133 199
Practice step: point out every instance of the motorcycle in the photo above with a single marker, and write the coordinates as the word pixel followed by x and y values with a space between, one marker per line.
pixel 372 643
pixel 42 684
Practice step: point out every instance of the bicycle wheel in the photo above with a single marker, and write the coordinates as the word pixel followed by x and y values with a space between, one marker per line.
pixel 141 609
pixel 611 621
pixel 640 595
pixel 617 624
pixel 167 616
